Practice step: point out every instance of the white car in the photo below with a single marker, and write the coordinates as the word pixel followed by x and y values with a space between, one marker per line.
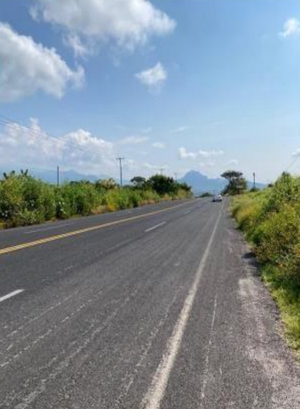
pixel 217 198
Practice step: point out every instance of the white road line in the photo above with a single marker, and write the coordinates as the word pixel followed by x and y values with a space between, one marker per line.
pixel 187 212
pixel 155 227
pixel 206 367
pixel 155 394
pixel 48 228
pixel 12 294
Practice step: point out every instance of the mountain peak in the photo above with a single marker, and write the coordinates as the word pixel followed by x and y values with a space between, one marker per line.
pixel 201 183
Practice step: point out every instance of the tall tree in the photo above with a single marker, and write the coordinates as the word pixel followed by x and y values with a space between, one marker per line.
pixel 138 182
pixel 163 184
pixel 236 182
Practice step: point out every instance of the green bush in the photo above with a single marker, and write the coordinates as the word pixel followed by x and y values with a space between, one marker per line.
pixel 25 200
pixel 271 221
pixel 11 199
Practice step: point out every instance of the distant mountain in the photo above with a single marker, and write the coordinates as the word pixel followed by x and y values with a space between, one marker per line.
pixel 50 176
pixel 201 183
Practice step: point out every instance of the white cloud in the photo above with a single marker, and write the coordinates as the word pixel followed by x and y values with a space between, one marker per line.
pixel 210 154
pixel 134 140
pixel 32 147
pixel 128 23
pixel 291 28
pixel 153 78
pixel 79 48
pixel 28 67
pixel 156 168
pixel 296 154
pixel 158 145
pixel 180 129
pixel 183 154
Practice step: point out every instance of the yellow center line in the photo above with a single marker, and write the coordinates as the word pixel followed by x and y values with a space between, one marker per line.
pixel 81 231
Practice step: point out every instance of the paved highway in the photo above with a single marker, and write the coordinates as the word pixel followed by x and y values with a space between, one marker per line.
pixel 156 307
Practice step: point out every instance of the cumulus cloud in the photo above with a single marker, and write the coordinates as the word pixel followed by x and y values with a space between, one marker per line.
pixel 153 78
pixel 291 28
pixel 128 23
pixel 32 147
pixel 28 67
pixel 134 140
pixel 158 145
pixel 79 48
pixel 184 154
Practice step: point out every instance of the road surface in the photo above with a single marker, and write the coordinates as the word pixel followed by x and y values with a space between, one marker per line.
pixel 156 307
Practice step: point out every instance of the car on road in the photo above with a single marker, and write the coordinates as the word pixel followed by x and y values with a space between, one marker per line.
pixel 217 198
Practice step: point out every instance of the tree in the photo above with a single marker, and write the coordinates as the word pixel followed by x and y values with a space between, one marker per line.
pixel 138 182
pixel 9 175
pixel 24 172
pixel 236 182
pixel 106 184
pixel 184 186
pixel 163 184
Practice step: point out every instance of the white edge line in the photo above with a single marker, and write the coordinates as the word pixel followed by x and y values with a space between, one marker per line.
pixel 156 391
pixel 12 294
pixel 155 227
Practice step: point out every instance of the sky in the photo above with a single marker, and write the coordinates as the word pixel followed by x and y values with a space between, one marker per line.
pixel 205 85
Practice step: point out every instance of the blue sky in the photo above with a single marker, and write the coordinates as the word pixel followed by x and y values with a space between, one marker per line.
pixel 204 85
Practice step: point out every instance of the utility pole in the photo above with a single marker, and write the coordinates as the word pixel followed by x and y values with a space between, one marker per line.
pixel 57 176
pixel 121 174
pixel 161 170
pixel 254 181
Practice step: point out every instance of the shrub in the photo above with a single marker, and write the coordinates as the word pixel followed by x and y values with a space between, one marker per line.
pixel 25 200
pixel 271 220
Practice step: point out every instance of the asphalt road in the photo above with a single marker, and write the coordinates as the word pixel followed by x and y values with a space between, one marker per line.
pixel 157 307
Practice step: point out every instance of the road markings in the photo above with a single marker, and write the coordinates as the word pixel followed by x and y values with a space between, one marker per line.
pixel 206 367
pixel 85 230
pixel 12 294
pixel 156 392
pixel 155 227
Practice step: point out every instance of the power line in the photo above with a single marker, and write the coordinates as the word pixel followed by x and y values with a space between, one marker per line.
pixel 6 122
pixel 292 163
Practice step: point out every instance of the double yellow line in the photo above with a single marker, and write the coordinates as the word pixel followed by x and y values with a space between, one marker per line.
pixel 81 231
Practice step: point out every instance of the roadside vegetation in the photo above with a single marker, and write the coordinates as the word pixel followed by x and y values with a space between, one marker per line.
pixel 25 200
pixel 271 221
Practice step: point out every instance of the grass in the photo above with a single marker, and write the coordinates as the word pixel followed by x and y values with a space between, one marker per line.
pixel 270 220
pixel 287 296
